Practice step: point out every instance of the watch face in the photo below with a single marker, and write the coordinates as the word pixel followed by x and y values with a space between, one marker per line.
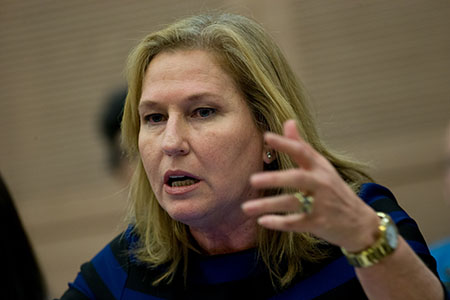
pixel 391 236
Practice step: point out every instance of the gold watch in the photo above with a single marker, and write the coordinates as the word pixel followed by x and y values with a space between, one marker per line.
pixel 385 245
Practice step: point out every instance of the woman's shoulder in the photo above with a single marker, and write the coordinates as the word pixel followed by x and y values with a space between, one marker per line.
pixel 106 274
pixel 370 192
pixel 381 199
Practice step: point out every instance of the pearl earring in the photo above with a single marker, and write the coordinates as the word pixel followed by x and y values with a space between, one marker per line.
pixel 269 155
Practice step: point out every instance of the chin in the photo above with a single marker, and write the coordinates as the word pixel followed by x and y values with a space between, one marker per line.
pixel 187 214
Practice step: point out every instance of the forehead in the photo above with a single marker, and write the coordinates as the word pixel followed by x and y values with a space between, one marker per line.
pixel 179 62
pixel 185 71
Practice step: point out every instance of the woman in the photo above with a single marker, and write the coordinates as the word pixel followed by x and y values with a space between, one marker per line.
pixel 235 195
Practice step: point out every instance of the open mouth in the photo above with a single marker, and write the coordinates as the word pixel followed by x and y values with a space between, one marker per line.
pixel 179 180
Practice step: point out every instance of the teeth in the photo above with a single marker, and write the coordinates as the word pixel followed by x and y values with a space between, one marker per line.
pixel 183 182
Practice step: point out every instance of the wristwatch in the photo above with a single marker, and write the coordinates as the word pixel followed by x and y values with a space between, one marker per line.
pixel 385 245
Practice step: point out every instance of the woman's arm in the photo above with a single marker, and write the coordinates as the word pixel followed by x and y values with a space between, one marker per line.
pixel 340 217
pixel 401 275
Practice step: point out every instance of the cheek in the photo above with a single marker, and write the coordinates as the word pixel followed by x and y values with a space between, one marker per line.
pixel 146 144
pixel 217 144
pixel 228 150
pixel 143 138
pixel 210 148
pixel 147 154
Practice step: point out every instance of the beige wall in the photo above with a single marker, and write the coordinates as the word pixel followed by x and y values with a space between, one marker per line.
pixel 378 73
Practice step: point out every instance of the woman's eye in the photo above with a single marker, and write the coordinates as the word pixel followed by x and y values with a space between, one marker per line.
pixel 203 112
pixel 154 118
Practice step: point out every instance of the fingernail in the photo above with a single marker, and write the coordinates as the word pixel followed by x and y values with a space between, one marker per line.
pixel 262 220
pixel 269 134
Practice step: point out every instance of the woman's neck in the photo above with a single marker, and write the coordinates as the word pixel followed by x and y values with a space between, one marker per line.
pixel 228 238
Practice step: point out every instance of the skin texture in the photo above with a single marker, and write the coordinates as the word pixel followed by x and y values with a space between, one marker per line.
pixel 194 119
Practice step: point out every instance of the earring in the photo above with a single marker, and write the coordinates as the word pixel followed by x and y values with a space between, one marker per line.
pixel 269 155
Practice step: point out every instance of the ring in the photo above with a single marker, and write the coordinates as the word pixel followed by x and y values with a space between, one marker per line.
pixel 306 203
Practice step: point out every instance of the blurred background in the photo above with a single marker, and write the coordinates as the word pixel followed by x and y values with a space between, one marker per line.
pixel 378 73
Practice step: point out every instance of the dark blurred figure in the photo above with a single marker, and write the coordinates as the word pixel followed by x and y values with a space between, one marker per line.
pixel 110 120
pixel 22 278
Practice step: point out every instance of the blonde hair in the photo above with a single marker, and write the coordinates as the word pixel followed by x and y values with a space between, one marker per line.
pixel 273 94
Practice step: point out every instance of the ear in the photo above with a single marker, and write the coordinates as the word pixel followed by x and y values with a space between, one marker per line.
pixel 268 155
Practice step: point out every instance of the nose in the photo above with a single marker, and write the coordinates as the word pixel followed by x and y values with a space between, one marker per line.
pixel 174 140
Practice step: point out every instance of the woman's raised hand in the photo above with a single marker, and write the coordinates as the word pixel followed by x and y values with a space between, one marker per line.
pixel 338 215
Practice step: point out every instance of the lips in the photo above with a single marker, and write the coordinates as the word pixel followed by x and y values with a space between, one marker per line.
pixel 180 182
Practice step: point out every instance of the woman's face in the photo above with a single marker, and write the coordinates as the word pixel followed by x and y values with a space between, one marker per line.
pixel 197 139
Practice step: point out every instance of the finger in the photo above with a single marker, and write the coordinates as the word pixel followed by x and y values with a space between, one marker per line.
pixel 290 130
pixel 300 151
pixel 293 178
pixel 281 203
pixel 292 222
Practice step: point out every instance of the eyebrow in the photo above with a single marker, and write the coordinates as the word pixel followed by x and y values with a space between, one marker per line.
pixel 147 103
pixel 144 104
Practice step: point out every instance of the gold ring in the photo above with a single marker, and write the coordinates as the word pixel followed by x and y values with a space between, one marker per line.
pixel 306 203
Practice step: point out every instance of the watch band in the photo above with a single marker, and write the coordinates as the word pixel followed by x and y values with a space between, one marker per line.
pixel 384 246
